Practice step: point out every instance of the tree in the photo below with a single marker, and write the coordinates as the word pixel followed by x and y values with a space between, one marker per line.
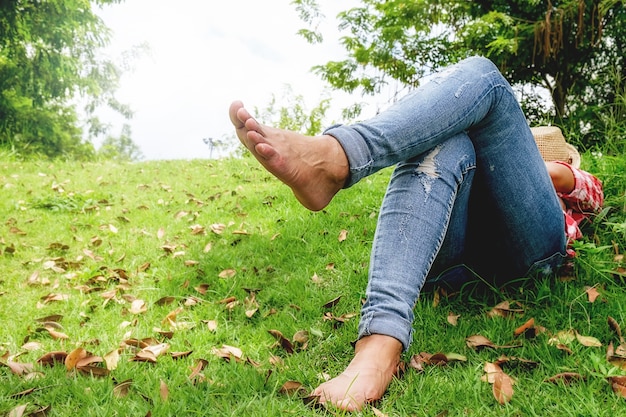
pixel 556 44
pixel 120 148
pixel 48 58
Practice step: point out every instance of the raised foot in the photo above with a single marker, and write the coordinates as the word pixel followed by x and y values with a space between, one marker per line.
pixel 314 167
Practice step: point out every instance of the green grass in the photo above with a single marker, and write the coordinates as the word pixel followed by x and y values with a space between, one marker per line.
pixel 98 222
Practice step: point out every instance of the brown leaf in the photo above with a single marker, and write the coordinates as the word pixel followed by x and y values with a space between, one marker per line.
pixel 18 411
pixel 203 288
pixel 55 334
pixel 378 413
pixel 165 301
pixel 73 357
pixel 93 370
pixel 138 307
pixel 291 387
pixel 52 318
pixel 588 341
pixel 332 303
pixel 530 324
pixel 502 388
pixel 195 371
pixel 513 361
pixel 179 355
pixel 30 346
pixel 144 356
pixel 227 273
pixel 565 377
pixel 218 228
pixel 592 293
pixel 18 368
pixel 164 391
pixel 453 318
pixel 618 384
pixel 211 325
pixel 614 325
pixel 478 342
pixel 121 390
pixel 171 316
pixel 504 309
pixel 564 348
pixel 111 359
pixel 301 337
pixel 343 235
pixel 23 393
pixel 228 352
pixel 157 350
pixel 282 340
pixel 491 369
pixel 51 358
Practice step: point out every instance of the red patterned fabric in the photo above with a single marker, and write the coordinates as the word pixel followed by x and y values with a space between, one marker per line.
pixel 585 200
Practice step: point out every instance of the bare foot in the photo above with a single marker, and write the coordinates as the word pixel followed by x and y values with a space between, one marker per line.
pixel 367 377
pixel 314 167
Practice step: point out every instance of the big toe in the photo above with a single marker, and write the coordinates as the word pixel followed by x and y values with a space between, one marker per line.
pixel 233 111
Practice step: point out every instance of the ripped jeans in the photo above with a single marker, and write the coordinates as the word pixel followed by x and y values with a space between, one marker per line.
pixel 470 195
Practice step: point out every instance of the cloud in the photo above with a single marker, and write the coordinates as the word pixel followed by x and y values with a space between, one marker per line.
pixel 203 56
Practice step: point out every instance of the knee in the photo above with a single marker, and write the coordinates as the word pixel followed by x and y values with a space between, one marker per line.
pixel 483 64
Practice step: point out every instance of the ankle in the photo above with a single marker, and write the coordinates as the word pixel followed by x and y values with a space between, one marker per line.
pixel 386 350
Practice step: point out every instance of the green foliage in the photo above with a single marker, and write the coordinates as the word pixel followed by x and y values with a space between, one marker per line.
pixel 294 115
pixel 48 58
pixel 121 148
pixel 573 49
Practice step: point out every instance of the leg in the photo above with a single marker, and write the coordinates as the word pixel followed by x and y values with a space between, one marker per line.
pixel 417 209
pixel 522 208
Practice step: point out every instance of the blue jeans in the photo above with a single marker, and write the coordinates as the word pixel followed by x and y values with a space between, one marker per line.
pixel 470 192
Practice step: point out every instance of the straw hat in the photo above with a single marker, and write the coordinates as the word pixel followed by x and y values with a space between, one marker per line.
pixel 553 147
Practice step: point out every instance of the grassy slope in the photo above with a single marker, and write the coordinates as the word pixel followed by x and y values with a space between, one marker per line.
pixel 109 216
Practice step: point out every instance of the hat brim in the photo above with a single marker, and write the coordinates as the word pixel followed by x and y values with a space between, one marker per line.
pixel 574 155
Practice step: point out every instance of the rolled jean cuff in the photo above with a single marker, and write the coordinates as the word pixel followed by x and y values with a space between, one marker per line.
pixel 387 324
pixel 356 149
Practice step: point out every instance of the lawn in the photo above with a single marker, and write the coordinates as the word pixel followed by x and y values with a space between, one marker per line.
pixel 182 288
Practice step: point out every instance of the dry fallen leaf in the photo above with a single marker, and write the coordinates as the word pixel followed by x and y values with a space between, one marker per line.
pixel 121 390
pixel 50 358
pixel 227 273
pixel 588 341
pixel 419 361
pixel 18 411
pixel 228 352
pixel 112 359
pixel 614 325
pixel 592 293
pixel 502 388
pixel 73 357
pixel 453 318
pixel 138 307
pixel 565 378
pixel 332 303
pixel 505 309
pixel 478 342
pixel 528 329
pixel 618 384
pixel 164 391
pixel 291 387
pixel 282 340
pixel 343 235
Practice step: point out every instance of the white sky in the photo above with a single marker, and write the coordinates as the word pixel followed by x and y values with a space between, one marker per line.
pixel 204 55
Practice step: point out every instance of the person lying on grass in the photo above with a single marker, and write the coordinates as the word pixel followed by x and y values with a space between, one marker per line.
pixel 470 196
